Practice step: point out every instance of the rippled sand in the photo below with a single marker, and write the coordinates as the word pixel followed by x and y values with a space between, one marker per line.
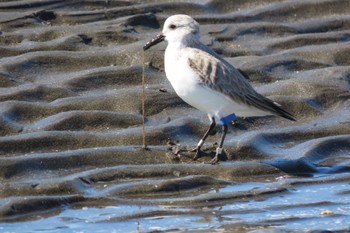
pixel 71 156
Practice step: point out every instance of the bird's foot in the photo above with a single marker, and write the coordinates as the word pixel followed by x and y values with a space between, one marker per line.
pixel 198 152
pixel 194 149
pixel 217 156
pixel 215 160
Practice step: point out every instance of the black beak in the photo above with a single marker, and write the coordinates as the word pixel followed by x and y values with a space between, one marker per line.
pixel 159 38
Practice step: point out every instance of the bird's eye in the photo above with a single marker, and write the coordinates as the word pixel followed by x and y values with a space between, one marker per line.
pixel 172 26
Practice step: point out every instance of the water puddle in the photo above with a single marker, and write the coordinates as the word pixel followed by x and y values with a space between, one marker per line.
pixel 302 207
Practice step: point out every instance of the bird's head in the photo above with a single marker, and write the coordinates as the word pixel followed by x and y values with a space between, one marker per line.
pixel 177 28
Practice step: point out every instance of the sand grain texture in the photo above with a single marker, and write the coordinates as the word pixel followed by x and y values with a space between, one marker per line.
pixel 71 119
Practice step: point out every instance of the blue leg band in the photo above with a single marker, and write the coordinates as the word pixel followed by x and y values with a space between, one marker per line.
pixel 227 119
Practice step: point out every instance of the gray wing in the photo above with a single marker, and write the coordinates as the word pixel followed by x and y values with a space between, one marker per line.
pixel 221 76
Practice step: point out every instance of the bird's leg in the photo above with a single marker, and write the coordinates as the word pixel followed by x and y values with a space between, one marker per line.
pixel 201 142
pixel 219 149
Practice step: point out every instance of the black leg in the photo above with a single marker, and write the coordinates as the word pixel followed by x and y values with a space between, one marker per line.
pixel 201 142
pixel 219 149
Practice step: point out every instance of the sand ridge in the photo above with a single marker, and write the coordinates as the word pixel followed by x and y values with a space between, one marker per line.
pixel 71 119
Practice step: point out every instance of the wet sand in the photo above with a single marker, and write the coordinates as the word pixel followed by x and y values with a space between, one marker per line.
pixel 71 156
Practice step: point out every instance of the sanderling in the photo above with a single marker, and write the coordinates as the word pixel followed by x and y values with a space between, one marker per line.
pixel 205 80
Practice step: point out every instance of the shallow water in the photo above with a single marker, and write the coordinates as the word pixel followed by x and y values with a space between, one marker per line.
pixel 71 157
pixel 313 206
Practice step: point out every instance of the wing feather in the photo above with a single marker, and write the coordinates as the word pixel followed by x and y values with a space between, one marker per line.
pixel 219 75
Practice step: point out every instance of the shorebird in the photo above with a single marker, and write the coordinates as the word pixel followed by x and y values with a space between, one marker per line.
pixel 205 80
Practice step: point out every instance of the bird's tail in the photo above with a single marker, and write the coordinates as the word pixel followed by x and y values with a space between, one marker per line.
pixel 266 104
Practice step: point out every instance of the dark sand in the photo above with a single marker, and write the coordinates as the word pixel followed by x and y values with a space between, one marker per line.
pixel 70 120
